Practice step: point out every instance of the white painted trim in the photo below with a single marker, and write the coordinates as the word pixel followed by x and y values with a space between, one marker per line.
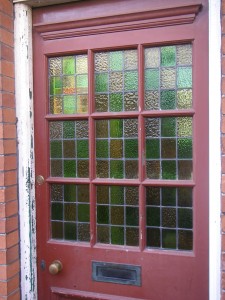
pixel 24 89
pixel 214 149
pixel 24 111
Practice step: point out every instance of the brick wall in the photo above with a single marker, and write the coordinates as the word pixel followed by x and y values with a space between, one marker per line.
pixel 9 234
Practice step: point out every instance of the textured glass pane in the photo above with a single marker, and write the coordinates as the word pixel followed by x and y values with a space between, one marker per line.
pixel 116 149
pixel 68 129
pixel 81 129
pixel 185 239
pixel 169 239
pixel 69 103
pixel 152 195
pixel 153 216
pixel 116 128
pixel 116 169
pixel 83 168
pixel 152 79
pixel 131 81
pixel 131 148
pixel 56 149
pixel 83 232
pixel 56 85
pixel 169 169
pixel 168 148
pixel 103 194
pixel 184 125
pixel 68 85
pixel 101 82
pixel 57 211
pixel 101 103
pixel 132 236
pixel 132 195
pixel 70 231
pixel 57 230
pixel 184 148
pixel 168 99
pixel 130 60
pixel 152 58
pixel 116 102
pixel 184 54
pixel 69 65
pixel 101 62
pixel 152 128
pixel 56 168
pixel 168 78
pixel 185 218
pixel 102 169
pixel 185 169
pixel 184 77
pixel 82 103
pixel 103 214
pixel 117 215
pixel 69 168
pixel 116 60
pixel 152 148
pixel 130 101
pixel 55 66
pixel 69 192
pixel 116 82
pixel 153 237
pixel 69 212
pixel 168 127
pixel 168 56
pixel 82 83
pixel 82 149
pixel 169 196
pixel 117 194
pixel 81 64
pixel 101 129
pixel 185 197
pixel 102 150
pixel 168 217
pixel 151 100
pixel 131 169
pixel 153 169
pixel 56 105
pixel 184 99
pixel 103 234
pixel 83 212
pixel 130 128
pixel 57 192
pixel 117 235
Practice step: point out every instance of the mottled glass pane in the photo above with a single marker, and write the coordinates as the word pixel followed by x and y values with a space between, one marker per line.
pixel 152 127
pixel 102 214
pixel 131 148
pixel 153 170
pixel 102 194
pixel 83 168
pixel 101 62
pixel 169 217
pixel 169 239
pixel 185 197
pixel 168 127
pixel 185 218
pixel 116 149
pixel 131 169
pixel 130 128
pixel 151 100
pixel 184 77
pixel 72 211
pixel 116 82
pixel 67 78
pixel 168 148
pixel 184 125
pixel 169 169
pixel 56 149
pixel 68 129
pixel 117 235
pixel 69 168
pixel 152 57
pixel 117 194
pixel 116 169
pixel 56 168
pixel 102 150
pixel 116 128
pixel 57 192
pixel 103 234
pixel 101 103
pixel 185 169
pixel 132 236
pixel 185 239
pixel 117 215
pixel 102 129
pixel 184 99
pixel 116 60
pixel 184 54
pixel 169 196
pixel 153 237
pixel 168 78
pixel 168 56
pixel 131 81
pixel 130 60
pixel 130 101
pixel 82 129
pixel 152 195
pixel 152 79
pixel 102 169
pixel 101 82
pixel 132 197
pixel 168 99
pixel 116 102
pixel 184 148
pixel 82 149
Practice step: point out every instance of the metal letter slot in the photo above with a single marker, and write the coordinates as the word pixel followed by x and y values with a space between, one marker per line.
pixel 116 273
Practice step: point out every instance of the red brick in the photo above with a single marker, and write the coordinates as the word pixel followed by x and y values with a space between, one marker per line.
pixel 223 223
pixel 223 203
pixel 11 208
pixel 12 254
pixel 6 21
pixel 7 100
pixel 7 146
pixel 6 6
pixel 6 37
pixel 12 239
pixel 223 7
pixel 8 84
pixel 223 105
pixel 8 225
pixel 9 131
pixel 223 242
pixel 10 162
pixel 223 85
pixel 7 68
pixel 223 44
pixel 11 193
pixel 7 52
pixel 223 183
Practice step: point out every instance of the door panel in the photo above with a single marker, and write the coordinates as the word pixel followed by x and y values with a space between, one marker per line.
pixel 121 141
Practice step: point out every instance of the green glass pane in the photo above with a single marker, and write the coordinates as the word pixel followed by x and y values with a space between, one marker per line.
pixel 185 239
pixel 131 169
pixel 168 127
pixel 168 56
pixel 152 148
pixel 57 230
pixel 132 216
pixel 84 232
pixel 69 168
pixel 185 218
pixel 68 129
pixel 82 83
pixel 153 237
pixel 184 98
pixel 102 129
pixel 102 194
pixel 117 235
pixel 169 238
pixel 102 214
pixel 116 102
pixel 152 196
pixel 169 169
pixel 83 193
pixel 116 60
pixel 83 168
pixel 55 85
pixel 57 211
pixel 117 215
pixel 131 148
pixel 102 169
pixel 168 99
pixel 184 126
pixel 151 79
pixel 56 149
pixel 153 216
pixel 83 213
pixel 132 197
pixel 168 148
pixel 117 195
pixel 184 148
pixel 102 149
pixel 132 236
pixel 68 84
pixel 153 169
pixel 69 104
pixel 56 168
pixel 116 148
pixel 82 149
pixel 69 149
pixel 131 81
pixel 81 64
pixel 101 82
pixel 169 217
pixel 184 77
pixel 169 196
pixel 116 82
pixel 69 65
pixel 69 193
pixel 116 169
pixel 69 212
pixel 116 128
pixel 185 197
pixel 70 231
pixel 103 234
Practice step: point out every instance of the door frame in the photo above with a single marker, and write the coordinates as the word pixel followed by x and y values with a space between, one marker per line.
pixel 24 99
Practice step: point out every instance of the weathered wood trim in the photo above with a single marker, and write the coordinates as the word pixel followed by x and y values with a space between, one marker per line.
pixel 124 22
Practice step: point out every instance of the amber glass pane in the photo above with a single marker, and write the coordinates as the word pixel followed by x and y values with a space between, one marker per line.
pixel 169 218
pixel 117 215
pixel 116 81
pixel 168 146
pixel 69 153
pixel 70 216
pixel 117 148
pixel 68 84
pixel 168 77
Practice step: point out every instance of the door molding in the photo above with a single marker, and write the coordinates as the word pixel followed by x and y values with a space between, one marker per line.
pixel 28 249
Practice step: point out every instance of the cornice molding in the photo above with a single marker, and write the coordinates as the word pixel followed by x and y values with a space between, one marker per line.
pixel 115 23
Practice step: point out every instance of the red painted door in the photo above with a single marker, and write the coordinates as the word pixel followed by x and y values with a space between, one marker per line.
pixel 121 141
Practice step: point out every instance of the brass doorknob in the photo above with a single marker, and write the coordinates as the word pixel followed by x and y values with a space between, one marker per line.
pixel 55 267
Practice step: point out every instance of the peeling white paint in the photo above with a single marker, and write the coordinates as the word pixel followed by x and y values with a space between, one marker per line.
pixel 24 111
